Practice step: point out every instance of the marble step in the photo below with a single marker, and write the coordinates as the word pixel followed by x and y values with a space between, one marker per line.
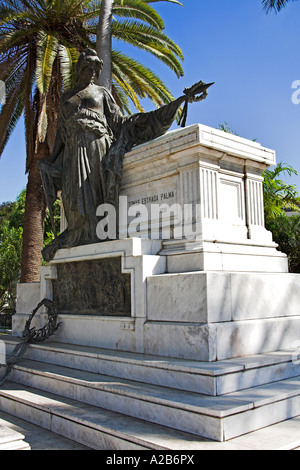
pixel 12 440
pixel 17 445
pixel 92 426
pixel 217 418
pixel 105 430
pixel 209 378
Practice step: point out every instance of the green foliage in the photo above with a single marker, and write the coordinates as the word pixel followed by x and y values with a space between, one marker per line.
pixel 278 198
pixel 11 221
pixel 11 230
pixel 225 127
pixel 286 232
pixel 10 264
pixel 40 42
pixel 279 195
pixel 16 218
pixel 12 213
pixel 39 46
pixel 48 231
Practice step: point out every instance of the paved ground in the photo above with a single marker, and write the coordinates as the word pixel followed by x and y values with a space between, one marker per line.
pixel 39 438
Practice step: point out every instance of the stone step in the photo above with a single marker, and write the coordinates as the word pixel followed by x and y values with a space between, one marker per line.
pixel 18 445
pixel 218 418
pixel 104 430
pixel 12 440
pixel 209 378
pixel 91 426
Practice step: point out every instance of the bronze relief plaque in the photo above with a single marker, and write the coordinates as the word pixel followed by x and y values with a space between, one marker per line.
pixel 95 287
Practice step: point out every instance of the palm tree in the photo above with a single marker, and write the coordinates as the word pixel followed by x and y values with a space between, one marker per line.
pixel 39 45
pixel 278 195
pixel 116 66
pixel 36 46
pixel 104 42
pixel 275 5
pixel 139 25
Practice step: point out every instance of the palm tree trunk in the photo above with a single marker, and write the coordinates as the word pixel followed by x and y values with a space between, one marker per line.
pixel 104 43
pixel 33 228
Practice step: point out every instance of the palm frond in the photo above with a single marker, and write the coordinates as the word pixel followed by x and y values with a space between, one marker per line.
pixel 170 1
pixel 13 4
pixel 13 17
pixel 54 32
pixel 121 97
pixel 15 39
pixel 143 81
pixel 139 10
pixel 134 31
pixel 12 109
pixel 128 89
pixel 14 78
pixel 11 61
pixel 152 41
pixel 78 6
pixel 42 122
pixel 68 57
pixel 47 48
pixel 275 5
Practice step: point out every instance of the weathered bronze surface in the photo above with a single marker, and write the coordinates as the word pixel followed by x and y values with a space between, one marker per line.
pixel 92 139
pixel 31 335
pixel 95 287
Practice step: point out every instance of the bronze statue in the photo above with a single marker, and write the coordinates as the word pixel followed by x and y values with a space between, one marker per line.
pixel 92 138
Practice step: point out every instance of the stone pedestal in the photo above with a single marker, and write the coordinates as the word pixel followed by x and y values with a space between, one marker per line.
pixel 221 292
pixel 200 315
pixel 190 323
pixel 208 185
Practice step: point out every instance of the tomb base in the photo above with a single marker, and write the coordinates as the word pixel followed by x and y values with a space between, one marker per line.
pixel 165 341
pixel 198 315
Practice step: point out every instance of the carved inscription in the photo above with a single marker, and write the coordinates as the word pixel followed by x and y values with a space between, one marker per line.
pixel 153 199
pixel 95 287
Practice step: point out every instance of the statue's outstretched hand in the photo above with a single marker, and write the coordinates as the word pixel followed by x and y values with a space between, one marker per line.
pixel 195 93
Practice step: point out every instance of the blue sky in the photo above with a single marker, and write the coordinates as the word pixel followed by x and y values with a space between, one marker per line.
pixel 253 58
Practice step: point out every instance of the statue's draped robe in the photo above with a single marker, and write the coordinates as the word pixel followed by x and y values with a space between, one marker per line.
pixel 94 136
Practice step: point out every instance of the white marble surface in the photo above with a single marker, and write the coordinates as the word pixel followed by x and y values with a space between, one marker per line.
pixel 28 297
pixel 75 397
pixel 111 428
pixel 11 439
pixel 222 174
pixel 214 256
pixel 38 438
pixel 256 336
pixel 117 333
pixel 210 297
pixel 210 378
pixel 191 136
pixel 197 315
pixel 212 417
pixel 9 435
pixel 216 305
pixel 219 341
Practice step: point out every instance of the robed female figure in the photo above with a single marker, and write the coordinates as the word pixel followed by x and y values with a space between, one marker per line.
pixel 92 138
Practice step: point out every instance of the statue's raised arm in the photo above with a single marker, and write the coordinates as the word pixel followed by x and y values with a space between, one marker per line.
pixel 92 139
